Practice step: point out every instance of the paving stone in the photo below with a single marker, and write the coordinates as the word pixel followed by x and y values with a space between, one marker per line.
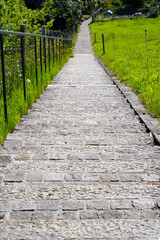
pixel 21 215
pixel 98 205
pixel 23 205
pixel 14 177
pixel 54 177
pixel 150 177
pixel 43 215
pixel 92 157
pixel 110 178
pixel 34 177
pixel 73 176
pixel 132 214
pixel 48 205
pixel 129 177
pixel 121 204
pixel 149 214
pixel 73 215
pixel 22 157
pixel 88 215
pixel 111 214
pixel 91 177
pixel 144 204
pixel 4 159
pixel 71 205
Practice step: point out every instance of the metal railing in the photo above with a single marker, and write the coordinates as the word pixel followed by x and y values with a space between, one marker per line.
pixel 25 60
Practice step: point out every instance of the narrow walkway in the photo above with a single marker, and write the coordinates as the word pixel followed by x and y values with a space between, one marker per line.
pixel 80 165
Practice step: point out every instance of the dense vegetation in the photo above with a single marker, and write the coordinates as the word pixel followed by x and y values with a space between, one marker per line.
pixel 133 57
pixel 55 14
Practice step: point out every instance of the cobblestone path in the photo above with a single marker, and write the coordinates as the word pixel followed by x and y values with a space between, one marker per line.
pixel 80 166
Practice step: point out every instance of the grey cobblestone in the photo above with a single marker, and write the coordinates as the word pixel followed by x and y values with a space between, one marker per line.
pixel 48 205
pixel 71 205
pixel 98 205
pixel 88 215
pixel 54 177
pixel 121 204
pixel 14 177
pixel 144 204
pixel 34 177
pixel 150 177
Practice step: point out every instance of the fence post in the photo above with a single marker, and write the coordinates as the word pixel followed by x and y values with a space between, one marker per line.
pixel 147 52
pixel 44 47
pixel 56 51
pixel 93 16
pixel 23 55
pixel 114 45
pixel 41 58
pixel 95 40
pixel 52 42
pixel 49 55
pixel 63 44
pixel 59 50
pixel 3 79
pixel 35 50
pixel 103 43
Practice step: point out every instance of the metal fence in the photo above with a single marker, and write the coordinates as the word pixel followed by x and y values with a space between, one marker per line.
pixel 25 61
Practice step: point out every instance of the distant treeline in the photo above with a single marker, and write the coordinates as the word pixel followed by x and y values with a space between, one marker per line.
pixel 128 3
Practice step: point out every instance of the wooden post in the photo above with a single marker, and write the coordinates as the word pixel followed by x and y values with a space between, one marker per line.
pixel 103 43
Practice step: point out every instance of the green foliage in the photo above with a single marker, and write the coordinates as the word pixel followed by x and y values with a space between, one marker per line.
pixel 126 56
pixel 15 13
pixel 129 3
pixel 109 4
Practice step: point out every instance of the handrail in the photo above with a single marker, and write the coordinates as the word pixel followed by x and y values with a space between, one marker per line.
pixel 31 35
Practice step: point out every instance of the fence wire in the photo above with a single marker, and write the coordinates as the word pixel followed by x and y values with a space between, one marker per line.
pixel 27 60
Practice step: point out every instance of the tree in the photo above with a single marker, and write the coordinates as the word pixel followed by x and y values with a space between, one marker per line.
pixel 65 12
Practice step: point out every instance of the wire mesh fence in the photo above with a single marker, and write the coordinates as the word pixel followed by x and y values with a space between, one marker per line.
pixel 27 60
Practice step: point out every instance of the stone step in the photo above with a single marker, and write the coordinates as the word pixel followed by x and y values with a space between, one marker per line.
pixel 74 117
pixel 43 138
pixel 26 177
pixel 92 229
pixel 80 209
pixel 79 152
pixel 91 125
pixel 80 191
pixel 77 128
pixel 78 167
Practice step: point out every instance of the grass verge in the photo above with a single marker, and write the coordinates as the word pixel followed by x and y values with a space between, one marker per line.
pixel 132 55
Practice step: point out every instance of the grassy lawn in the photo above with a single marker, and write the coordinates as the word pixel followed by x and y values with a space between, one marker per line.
pixel 133 57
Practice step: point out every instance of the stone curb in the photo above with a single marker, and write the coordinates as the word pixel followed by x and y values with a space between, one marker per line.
pixel 152 124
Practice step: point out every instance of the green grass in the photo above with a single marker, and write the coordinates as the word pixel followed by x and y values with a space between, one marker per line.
pixel 17 106
pixel 126 56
